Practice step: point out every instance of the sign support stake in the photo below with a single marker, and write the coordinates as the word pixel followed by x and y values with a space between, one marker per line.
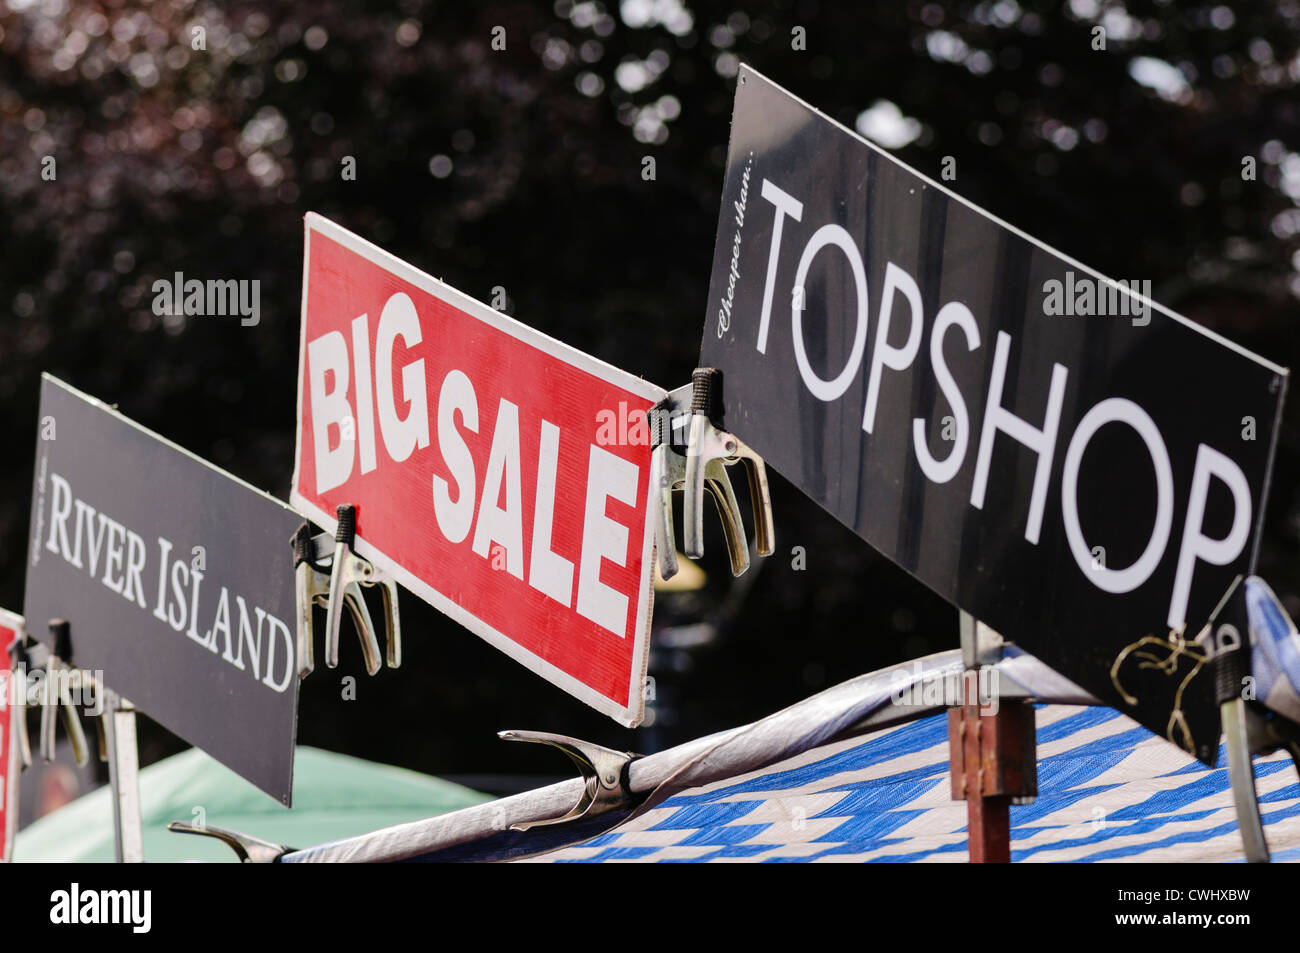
pixel 991 753
pixel 124 778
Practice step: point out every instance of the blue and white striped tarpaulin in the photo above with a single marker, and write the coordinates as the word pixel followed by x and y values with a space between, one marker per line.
pixel 824 780
pixel 1109 790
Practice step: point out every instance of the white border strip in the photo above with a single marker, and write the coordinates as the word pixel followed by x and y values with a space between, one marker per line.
pixel 629 715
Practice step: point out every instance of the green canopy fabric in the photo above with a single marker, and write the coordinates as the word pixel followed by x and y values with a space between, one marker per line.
pixel 334 796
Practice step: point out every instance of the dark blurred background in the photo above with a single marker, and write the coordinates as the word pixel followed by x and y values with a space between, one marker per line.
pixel 522 168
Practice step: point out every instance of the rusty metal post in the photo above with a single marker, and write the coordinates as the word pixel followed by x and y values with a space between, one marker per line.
pixel 992 755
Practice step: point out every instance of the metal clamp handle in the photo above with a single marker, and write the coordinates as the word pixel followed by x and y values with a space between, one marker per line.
pixel 59 699
pixel 668 473
pixel 249 849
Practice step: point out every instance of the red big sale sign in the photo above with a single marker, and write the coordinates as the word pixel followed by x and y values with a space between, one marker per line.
pixel 481 460
pixel 11 628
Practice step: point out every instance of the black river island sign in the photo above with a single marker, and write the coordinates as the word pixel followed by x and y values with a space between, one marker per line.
pixel 177 581
pixel 1073 464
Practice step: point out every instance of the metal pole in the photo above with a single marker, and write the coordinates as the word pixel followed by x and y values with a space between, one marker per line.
pixel 124 777
pixel 988 829
pixel 1241 772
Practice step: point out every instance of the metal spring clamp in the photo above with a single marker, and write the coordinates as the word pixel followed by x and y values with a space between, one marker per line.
pixel 697 464
pixel 330 574
pixel 603 769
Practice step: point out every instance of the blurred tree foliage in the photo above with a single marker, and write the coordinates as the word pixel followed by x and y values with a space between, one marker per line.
pixel 521 168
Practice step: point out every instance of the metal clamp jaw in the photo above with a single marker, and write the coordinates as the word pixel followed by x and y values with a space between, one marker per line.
pixel 249 849
pixel 603 769
pixel 330 574
pixel 58 698
pixel 708 450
